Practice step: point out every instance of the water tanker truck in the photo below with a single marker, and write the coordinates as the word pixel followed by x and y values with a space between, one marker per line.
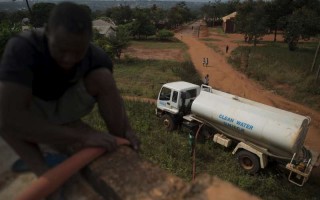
pixel 257 132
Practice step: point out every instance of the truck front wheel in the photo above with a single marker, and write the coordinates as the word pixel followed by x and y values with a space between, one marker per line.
pixel 168 122
pixel 248 161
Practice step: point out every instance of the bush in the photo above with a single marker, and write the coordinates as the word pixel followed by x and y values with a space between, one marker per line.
pixel 165 34
pixel 7 30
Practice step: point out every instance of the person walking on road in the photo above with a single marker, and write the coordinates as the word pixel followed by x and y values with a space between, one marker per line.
pixel 206 80
pixel 207 62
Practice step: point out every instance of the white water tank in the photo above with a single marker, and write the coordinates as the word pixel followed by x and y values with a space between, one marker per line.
pixel 280 132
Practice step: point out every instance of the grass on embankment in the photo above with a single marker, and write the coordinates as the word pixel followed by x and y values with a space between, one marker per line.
pixel 171 150
pixel 285 72
pixel 144 78
pixel 215 48
pixel 154 44
pixel 218 31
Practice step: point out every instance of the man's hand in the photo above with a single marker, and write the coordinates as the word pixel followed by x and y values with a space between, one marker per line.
pixel 100 139
pixel 133 139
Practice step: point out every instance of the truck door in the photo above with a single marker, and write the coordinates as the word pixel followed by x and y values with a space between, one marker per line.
pixel 174 101
pixel 168 100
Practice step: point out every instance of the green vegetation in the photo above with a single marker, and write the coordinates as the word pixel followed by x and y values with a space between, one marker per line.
pixel 209 39
pixel 40 13
pixel 144 77
pixel 165 34
pixel 298 19
pixel 145 21
pixel 285 72
pixel 7 30
pixel 215 48
pixel 218 31
pixel 151 44
pixel 119 41
pixel 251 20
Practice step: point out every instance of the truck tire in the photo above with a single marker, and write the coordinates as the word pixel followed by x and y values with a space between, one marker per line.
pixel 168 122
pixel 248 161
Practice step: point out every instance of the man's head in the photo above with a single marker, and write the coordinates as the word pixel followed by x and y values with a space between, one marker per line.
pixel 69 32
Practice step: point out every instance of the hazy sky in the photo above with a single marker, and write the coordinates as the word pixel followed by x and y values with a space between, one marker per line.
pixel 113 0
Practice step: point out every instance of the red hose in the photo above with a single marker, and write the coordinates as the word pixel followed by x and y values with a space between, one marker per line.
pixel 55 177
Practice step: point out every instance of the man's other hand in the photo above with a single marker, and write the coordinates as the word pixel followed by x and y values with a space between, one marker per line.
pixel 133 139
pixel 100 139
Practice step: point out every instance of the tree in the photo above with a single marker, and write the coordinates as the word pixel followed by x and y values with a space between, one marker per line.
pixel 7 30
pixel 215 10
pixel 276 11
pixel 298 18
pixel 40 13
pixel 164 34
pixel 4 16
pixel 142 24
pixel 157 16
pixel 232 6
pixel 119 41
pixel 209 11
pixel 179 14
pixel 19 15
pixel 120 15
pixel 251 20
pixel 97 14
pixel 302 24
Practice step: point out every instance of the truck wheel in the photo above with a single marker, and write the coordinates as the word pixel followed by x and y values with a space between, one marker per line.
pixel 168 122
pixel 248 161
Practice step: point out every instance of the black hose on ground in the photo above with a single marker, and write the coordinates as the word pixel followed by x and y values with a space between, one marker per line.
pixel 194 154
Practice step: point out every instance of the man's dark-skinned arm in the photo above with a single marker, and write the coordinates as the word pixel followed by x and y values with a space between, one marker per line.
pixel 100 83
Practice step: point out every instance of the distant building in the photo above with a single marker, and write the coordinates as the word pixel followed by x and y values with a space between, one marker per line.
pixel 228 23
pixel 104 26
pixel 25 24
pixel 25 21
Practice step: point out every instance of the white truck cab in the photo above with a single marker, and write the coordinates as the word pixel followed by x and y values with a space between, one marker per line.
pixel 172 98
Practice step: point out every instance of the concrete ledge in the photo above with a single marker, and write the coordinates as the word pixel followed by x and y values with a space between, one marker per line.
pixel 124 175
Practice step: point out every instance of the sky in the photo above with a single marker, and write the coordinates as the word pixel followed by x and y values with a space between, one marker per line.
pixel 114 0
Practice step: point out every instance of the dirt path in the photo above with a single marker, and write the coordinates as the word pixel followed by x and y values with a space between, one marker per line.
pixel 224 77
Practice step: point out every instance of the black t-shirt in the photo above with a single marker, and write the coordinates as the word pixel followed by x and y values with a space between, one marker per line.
pixel 27 61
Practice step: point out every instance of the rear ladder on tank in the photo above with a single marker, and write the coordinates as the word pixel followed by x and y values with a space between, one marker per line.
pixel 299 174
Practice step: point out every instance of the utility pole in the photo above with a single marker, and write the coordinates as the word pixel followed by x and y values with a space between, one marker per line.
pixel 315 57
pixel 29 7
pixel 317 76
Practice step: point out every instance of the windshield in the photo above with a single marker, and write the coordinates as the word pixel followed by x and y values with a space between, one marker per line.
pixel 165 94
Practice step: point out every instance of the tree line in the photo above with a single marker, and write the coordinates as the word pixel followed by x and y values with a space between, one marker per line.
pixel 296 19
pixel 131 23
